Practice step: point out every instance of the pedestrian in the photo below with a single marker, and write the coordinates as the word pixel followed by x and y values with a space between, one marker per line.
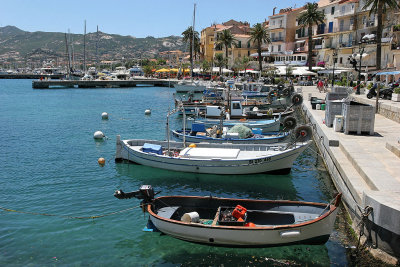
pixel 320 86
pixel 326 85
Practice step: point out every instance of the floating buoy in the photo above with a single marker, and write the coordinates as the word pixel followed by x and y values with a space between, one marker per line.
pixel 101 162
pixel 192 145
pixel 147 112
pixel 98 135
pixel 104 116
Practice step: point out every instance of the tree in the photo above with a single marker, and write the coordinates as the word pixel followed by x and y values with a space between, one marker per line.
pixel 220 61
pixel 226 39
pixel 148 70
pixel 188 38
pixel 205 66
pixel 259 35
pixel 378 7
pixel 308 18
pixel 242 63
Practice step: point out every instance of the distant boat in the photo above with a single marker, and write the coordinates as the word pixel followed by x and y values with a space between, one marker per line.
pixel 233 222
pixel 212 158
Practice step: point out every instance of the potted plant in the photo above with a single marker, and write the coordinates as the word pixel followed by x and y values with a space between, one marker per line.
pixel 396 94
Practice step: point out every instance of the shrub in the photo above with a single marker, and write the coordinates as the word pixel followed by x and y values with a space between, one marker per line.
pixel 396 90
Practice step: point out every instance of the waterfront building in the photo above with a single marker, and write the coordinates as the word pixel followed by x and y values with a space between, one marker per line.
pixel 175 57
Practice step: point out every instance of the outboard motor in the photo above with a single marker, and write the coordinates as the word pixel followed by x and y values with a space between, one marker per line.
pixel 146 192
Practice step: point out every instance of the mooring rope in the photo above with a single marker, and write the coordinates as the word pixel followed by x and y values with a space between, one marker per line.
pixel 70 217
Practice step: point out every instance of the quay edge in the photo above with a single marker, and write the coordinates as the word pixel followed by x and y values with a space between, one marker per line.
pixel 365 181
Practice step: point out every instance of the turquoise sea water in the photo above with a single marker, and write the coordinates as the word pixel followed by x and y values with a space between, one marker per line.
pixel 48 164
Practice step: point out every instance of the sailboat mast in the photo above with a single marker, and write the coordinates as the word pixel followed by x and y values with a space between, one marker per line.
pixel 67 54
pixel 84 49
pixel 191 61
pixel 97 46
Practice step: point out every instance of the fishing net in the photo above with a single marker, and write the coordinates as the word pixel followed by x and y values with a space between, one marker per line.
pixel 243 131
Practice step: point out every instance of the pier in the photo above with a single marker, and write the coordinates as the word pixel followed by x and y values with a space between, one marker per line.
pixel 366 169
pixel 53 84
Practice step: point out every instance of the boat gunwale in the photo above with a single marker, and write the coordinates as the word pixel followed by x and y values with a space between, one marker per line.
pixel 332 208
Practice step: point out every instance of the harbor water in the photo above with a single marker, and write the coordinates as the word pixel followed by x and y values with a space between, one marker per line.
pixel 48 164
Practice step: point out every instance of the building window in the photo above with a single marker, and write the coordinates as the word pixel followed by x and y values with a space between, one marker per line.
pixel 248 53
pixel 332 10
pixel 341 60
pixel 272 48
pixel 230 52
pixel 212 39
pixel 239 54
pixel 279 48
pixel 239 44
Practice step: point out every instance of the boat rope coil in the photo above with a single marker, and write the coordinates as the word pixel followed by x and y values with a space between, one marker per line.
pixel 70 217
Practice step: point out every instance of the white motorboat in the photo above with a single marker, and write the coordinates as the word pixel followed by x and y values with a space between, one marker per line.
pixel 237 222
pixel 213 158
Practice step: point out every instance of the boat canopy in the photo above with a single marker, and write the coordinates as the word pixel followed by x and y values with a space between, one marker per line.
pixel 388 73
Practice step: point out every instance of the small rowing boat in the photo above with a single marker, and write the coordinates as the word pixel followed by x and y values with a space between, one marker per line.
pixel 237 222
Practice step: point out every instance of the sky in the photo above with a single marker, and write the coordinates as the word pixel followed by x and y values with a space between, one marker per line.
pixel 157 18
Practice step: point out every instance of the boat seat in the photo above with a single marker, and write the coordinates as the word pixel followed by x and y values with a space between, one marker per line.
pixel 167 212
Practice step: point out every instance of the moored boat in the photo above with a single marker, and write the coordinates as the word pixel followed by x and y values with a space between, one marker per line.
pixel 238 222
pixel 256 138
pixel 214 158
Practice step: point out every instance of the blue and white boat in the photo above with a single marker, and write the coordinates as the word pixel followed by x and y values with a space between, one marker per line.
pixel 199 133
pixel 266 126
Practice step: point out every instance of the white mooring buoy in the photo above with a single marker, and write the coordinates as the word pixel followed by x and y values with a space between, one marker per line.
pixel 104 116
pixel 98 135
pixel 147 112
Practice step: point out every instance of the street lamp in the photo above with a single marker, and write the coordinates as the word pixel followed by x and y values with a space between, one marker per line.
pixel 361 48
pixel 335 56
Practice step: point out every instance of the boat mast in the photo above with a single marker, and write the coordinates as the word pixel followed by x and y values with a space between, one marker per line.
pixel 67 54
pixel 191 61
pixel 84 49
pixel 97 46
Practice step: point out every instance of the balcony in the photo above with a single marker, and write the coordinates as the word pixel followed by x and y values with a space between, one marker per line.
pixel 345 28
pixel 348 12
pixel 279 39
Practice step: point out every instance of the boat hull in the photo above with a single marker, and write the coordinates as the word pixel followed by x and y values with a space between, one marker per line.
pixel 276 164
pixel 197 139
pixel 266 126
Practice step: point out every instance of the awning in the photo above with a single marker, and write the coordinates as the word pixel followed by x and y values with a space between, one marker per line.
pixel 389 73
pixel 357 56
pixel 330 71
pixel 316 38
pixel 300 41
pixel 263 54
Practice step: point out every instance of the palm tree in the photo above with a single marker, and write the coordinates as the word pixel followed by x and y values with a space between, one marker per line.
pixel 259 35
pixel 379 7
pixel 220 61
pixel 308 18
pixel 188 38
pixel 225 38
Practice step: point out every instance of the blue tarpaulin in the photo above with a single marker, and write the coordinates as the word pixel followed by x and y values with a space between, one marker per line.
pixel 151 148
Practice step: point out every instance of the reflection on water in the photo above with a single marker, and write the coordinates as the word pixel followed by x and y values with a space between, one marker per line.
pixel 171 182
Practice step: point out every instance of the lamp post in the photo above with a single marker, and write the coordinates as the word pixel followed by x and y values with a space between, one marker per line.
pixel 361 47
pixel 335 56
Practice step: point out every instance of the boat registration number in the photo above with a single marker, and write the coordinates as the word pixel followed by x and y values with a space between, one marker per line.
pixel 258 161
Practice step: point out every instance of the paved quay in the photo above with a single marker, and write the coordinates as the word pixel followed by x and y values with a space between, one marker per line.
pixel 366 169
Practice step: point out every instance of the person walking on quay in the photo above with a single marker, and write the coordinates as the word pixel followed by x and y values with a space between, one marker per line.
pixel 320 86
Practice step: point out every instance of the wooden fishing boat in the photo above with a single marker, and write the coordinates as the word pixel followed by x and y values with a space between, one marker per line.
pixel 238 222
pixel 258 138
pixel 266 126
pixel 214 158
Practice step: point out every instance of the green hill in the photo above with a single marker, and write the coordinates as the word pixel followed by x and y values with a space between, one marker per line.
pixel 18 45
